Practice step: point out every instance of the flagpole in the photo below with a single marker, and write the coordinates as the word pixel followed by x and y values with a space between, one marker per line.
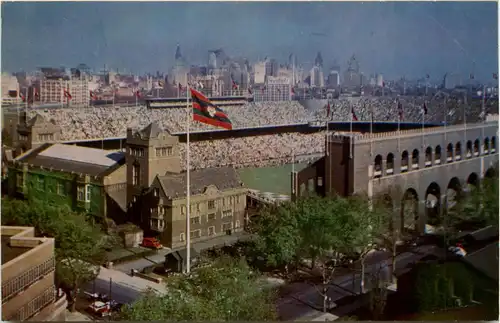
pixel 188 186
pixel 423 125
pixel 445 117
pixel 399 129
pixel 136 98
pixel 352 144
pixel 483 112
pixel 371 130
pixel 26 103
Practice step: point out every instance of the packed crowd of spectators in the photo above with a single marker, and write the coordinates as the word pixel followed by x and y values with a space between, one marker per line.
pixel 257 151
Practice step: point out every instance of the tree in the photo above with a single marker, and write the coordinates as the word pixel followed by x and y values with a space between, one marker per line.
pixel 278 236
pixel 226 290
pixel 79 246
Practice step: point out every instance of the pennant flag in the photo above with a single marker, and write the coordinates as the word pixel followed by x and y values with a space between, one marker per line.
pixel 495 76
pixel 235 86
pixel 400 111
pixel 138 93
pixel 354 116
pixel 93 96
pixel 206 112
pixel 37 94
pixel 293 91
pixel 250 91
pixel 328 110
pixel 67 95
pixel 424 108
pixel 21 95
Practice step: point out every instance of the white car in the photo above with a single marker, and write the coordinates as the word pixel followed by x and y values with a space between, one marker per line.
pixel 100 308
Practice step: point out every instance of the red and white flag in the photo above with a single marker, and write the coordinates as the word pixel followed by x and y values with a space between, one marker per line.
pixel 354 116
pixel 67 95
pixel 93 96
pixel 138 93
pixel 22 96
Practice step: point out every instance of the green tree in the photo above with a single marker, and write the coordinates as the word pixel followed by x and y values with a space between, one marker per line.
pixel 278 236
pixel 226 290
pixel 79 245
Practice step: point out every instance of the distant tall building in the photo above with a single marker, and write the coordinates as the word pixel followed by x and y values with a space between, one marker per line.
pixel 57 87
pixel 352 77
pixel 380 80
pixel 317 78
pixel 10 89
pixel 180 70
pixel 333 78
pixel 216 58
pixel 318 61
pixel 259 73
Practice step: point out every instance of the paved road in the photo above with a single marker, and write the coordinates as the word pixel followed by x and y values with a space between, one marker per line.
pixel 124 288
pixel 309 297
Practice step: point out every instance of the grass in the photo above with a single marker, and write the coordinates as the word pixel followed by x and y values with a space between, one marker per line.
pixel 462 314
pixel 275 179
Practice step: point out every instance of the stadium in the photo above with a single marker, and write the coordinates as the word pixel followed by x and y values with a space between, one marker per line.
pixel 268 139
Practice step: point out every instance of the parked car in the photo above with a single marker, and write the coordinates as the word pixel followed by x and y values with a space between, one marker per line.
pixel 152 243
pixel 99 308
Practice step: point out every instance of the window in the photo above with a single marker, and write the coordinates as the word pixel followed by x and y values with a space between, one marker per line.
pixel 182 237
pixel 80 193
pixel 227 213
pixel 136 174
pixel 390 163
pixel 378 166
pixel 60 188
pixel 210 216
pixel 158 152
pixel 223 201
pixel 155 192
pixel 88 193
pixel 227 226
pixel 237 223
pixel 183 209
pixel 437 155
pixel 23 138
pixel 198 207
pixel 404 161
pixel 40 183
pixel 195 234
pixel 211 231
pixel 161 224
pixel 211 204
pixel 195 220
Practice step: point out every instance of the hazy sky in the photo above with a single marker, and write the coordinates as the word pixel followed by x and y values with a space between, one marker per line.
pixel 409 38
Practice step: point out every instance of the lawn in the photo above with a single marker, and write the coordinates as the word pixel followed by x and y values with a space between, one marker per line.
pixel 275 179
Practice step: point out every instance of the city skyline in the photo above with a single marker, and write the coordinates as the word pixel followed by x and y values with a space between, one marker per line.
pixel 396 39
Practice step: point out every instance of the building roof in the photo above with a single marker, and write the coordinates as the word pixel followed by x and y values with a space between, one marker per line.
pixel 224 178
pixel 69 158
pixel 485 260
pixel 152 130
pixel 9 252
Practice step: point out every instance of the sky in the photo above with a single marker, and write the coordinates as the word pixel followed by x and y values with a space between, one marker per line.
pixel 397 39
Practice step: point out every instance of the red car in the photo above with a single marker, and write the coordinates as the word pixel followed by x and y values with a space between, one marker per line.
pixel 151 243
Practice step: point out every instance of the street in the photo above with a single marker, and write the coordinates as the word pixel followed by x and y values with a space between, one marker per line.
pixel 121 287
pixel 309 297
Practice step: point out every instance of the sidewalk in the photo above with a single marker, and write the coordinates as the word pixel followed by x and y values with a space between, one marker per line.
pixel 343 285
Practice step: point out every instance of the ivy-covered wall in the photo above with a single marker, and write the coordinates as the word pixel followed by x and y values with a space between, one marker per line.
pixel 59 188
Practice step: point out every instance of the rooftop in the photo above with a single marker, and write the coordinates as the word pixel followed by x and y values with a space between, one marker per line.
pixel 69 158
pixel 174 185
pixel 9 253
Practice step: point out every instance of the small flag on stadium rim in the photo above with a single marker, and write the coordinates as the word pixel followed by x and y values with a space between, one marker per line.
pixel 424 108
pixel 67 94
pixel 21 95
pixel 328 110
pixel 235 86
pixel 495 76
pixel 37 94
pixel 400 110
pixel 354 116
pixel 138 93
pixel 93 95
pixel 250 91
pixel 206 112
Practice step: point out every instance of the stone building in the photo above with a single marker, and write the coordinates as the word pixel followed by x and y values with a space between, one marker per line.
pixel 28 274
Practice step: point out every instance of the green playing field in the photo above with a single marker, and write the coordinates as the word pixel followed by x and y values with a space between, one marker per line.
pixel 269 179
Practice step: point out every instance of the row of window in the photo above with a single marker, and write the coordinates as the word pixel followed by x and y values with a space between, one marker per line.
pixel 35 305
pixel 45 137
pixel 139 152
pixel 159 224
pixel 62 188
pixel 23 138
pixel 213 204
pixel 210 231
pixel 164 151
pixel 19 283
pixel 453 153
